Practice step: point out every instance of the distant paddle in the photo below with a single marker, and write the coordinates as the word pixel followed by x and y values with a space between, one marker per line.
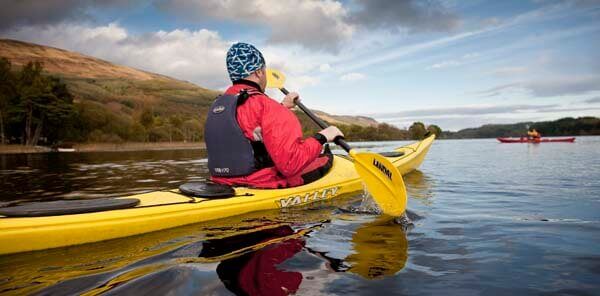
pixel 382 178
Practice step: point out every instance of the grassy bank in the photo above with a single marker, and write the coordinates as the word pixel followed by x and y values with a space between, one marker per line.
pixel 14 149
pixel 106 147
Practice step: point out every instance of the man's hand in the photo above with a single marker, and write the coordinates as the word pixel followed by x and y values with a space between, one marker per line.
pixel 290 100
pixel 331 133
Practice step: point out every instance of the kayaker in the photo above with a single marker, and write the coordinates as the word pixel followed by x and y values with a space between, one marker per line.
pixel 533 134
pixel 253 140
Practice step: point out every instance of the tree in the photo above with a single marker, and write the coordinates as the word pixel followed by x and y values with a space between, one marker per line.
pixel 417 131
pixel 147 118
pixel 41 106
pixel 192 130
pixel 7 93
pixel 61 113
pixel 138 133
pixel 434 129
pixel 159 134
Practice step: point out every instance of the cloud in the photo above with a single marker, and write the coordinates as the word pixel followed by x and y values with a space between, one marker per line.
pixel 197 56
pixel 413 16
pixel 547 13
pixel 445 64
pixel 510 71
pixel 325 68
pixel 465 110
pixel 319 24
pixel 34 12
pixel 372 58
pixel 354 76
pixel 550 87
pixel 316 25
pixel 571 85
pixel 593 100
pixel 456 62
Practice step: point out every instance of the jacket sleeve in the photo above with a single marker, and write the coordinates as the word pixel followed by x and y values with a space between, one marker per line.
pixel 282 136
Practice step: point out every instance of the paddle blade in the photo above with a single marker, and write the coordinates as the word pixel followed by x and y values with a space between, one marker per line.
pixel 275 79
pixel 384 181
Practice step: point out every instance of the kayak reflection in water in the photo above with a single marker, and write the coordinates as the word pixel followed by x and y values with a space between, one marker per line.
pixel 379 249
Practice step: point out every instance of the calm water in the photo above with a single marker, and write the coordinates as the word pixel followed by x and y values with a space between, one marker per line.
pixel 489 218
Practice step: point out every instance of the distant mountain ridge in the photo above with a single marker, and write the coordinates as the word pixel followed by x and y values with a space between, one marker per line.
pixel 562 127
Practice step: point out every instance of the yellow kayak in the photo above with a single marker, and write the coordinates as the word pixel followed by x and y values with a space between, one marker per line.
pixel 167 209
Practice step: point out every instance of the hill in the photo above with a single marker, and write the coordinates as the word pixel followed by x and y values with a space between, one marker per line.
pixel 363 121
pixel 123 89
pixel 562 127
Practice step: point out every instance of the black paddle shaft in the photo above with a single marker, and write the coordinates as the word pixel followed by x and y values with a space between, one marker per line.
pixel 338 140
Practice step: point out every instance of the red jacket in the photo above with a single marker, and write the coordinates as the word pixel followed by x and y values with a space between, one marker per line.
pixel 261 117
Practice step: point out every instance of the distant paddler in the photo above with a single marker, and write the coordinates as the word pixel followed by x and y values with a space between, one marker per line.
pixel 534 135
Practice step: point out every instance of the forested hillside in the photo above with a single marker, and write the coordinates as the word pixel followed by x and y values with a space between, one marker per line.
pixel 581 126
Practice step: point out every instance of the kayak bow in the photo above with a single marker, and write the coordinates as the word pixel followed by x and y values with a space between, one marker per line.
pixel 168 209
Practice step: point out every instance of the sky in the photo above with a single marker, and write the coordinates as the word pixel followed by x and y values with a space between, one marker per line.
pixel 453 63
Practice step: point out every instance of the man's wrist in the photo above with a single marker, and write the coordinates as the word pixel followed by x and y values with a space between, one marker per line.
pixel 321 138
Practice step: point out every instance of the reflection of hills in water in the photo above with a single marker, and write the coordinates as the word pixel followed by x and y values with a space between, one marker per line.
pixel 248 254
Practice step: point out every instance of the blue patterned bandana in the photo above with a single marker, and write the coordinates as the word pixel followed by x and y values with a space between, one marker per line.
pixel 242 60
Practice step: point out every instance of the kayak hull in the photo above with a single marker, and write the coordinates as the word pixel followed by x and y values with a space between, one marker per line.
pixel 168 209
pixel 544 140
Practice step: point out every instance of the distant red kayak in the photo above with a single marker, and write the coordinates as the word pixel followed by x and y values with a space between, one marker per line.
pixel 543 140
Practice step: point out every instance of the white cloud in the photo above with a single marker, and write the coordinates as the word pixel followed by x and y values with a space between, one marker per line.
pixel 314 24
pixel 445 64
pixel 549 86
pixel 456 62
pixel 354 76
pixel 325 68
pixel 196 56
pixel 471 55
pixel 509 71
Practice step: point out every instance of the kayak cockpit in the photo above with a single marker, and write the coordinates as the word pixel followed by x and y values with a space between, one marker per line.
pixel 206 190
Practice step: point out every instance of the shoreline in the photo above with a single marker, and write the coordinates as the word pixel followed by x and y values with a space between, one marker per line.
pixel 155 146
pixel 105 147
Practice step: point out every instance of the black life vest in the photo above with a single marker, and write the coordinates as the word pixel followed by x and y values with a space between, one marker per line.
pixel 230 153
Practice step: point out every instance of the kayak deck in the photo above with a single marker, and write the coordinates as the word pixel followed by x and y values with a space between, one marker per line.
pixel 168 209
